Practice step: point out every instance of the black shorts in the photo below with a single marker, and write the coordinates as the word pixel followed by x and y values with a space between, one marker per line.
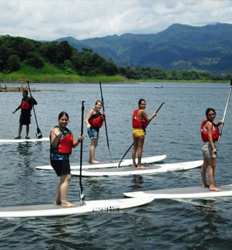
pixel 25 119
pixel 61 167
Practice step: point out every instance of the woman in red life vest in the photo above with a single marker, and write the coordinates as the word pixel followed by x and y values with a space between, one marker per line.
pixel 140 120
pixel 94 121
pixel 25 116
pixel 61 144
pixel 210 134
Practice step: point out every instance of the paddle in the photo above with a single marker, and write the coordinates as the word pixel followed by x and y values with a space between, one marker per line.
pixel 38 131
pixel 226 107
pixel 106 130
pixel 82 196
pixel 156 112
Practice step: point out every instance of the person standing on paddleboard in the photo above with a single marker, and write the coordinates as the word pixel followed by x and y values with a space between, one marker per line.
pixel 140 120
pixel 25 116
pixel 94 121
pixel 61 144
pixel 210 134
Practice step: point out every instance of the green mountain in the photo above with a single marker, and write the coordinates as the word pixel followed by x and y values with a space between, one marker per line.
pixel 182 47
pixel 18 53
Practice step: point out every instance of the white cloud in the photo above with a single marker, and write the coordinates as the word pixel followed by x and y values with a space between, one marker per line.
pixel 51 19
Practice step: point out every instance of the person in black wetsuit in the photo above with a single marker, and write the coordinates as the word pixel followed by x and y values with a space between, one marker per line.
pixel 25 116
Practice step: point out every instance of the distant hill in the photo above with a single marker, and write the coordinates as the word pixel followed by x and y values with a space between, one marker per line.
pixel 17 53
pixel 182 47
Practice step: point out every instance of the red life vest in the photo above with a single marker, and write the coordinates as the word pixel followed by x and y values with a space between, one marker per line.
pixel 65 144
pixel 25 105
pixel 96 120
pixel 137 122
pixel 204 132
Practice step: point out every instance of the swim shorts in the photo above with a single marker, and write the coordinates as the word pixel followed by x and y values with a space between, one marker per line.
pixel 138 132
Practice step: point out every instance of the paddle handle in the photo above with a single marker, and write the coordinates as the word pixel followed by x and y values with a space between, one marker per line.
pixel 39 133
pixel 227 103
pixel 106 128
pixel 225 110
pixel 29 88
pixel 81 150
pixel 156 112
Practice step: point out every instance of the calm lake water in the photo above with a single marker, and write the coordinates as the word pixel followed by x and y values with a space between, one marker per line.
pixel 158 225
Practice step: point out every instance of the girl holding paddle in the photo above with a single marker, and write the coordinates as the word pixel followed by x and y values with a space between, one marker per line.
pixel 210 134
pixel 61 144
pixel 140 121
pixel 26 106
pixel 94 121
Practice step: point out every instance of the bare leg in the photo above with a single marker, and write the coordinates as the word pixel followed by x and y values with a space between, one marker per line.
pixel 92 150
pixel 140 151
pixel 134 152
pixel 63 191
pixel 27 130
pixel 58 200
pixel 203 173
pixel 19 131
pixel 211 173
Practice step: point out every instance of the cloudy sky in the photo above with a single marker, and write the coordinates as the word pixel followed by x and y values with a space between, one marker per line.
pixel 52 19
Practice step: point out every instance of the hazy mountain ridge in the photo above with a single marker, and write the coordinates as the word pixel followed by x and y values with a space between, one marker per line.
pixel 178 47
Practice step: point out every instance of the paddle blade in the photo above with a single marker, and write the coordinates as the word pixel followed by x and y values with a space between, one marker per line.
pixel 39 134
pixel 82 197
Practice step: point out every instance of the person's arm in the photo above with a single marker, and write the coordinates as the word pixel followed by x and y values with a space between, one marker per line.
pixel 143 115
pixel 209 127
pixel 33 101
pixel 55 136
pixel 76 142
pixel 220 123
pixel 88 115
pixel 17 109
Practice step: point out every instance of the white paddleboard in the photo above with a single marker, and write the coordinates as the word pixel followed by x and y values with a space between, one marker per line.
pixel 94 206
pixel 8 141
pixel 156 169
pixel 183 193
pixel 126 162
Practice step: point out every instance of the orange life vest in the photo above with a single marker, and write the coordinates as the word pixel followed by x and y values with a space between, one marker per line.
pixel 204 132
pixel 65 144
pixel 96 120
pixel 137 122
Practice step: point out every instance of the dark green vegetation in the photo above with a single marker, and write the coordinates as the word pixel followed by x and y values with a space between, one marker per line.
pixel 51 61
pixel 180 47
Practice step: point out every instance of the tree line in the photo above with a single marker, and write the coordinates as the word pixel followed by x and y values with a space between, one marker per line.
pixel 18 51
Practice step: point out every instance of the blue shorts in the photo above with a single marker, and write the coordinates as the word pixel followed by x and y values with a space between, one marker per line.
pixel 93 133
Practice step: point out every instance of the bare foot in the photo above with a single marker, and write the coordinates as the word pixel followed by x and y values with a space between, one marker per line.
pixel 140 166
pixel 58 203
pixel 213 188
pixel 67 204
pixel 205 185
pixel 94 162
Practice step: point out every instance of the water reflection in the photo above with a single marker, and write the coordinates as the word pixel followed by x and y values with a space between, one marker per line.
pixel 137 182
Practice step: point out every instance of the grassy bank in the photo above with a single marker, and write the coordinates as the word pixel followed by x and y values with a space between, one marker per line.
pixel 52 74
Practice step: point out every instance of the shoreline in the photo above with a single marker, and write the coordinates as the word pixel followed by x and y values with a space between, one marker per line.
pixel 21 77
pixel 5 82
